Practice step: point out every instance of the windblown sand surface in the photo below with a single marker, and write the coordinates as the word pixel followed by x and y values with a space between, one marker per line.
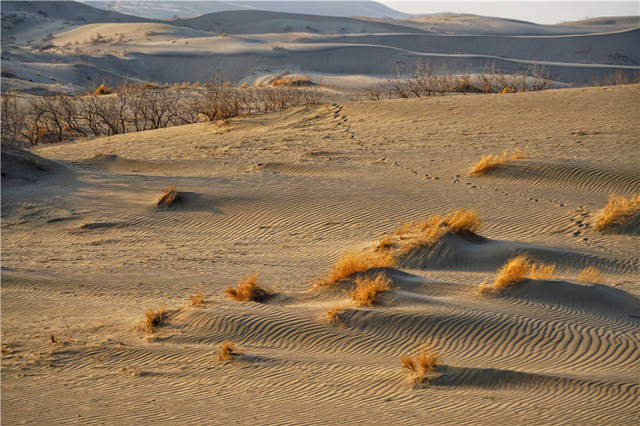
pixel 86 252
pixel 53 47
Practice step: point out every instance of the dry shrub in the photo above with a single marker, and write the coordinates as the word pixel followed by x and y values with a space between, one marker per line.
pixel 542 272
pixel 515 271
pixel 619 212
pixel 420 365
pixel 197 300
pixel 590 275
pixel 352 263
pixel 291 80
pixel 227 350
pixel 489 162
pixel 248 290
pixel 154 319
pixel 333 315
pixel 385 243
pixel 368 289
pixel 102 90
pixel 426 233
pixel 170 196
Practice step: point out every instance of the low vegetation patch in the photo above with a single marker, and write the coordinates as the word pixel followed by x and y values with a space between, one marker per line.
pixel 170 196
pixel 291 80
pixel 590 275
pixel 154 318
pixel 102 90
pixel 333 315
pixel 421 365
pixel 426 233
pixel 516 271
pixel 367 289
pixel 197 300
pixel 490 162
pixel 248 290
pixel 352 263
pixel 227 350
pixel 619 213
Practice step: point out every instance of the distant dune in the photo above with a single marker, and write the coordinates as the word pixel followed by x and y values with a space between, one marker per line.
pixel 185 9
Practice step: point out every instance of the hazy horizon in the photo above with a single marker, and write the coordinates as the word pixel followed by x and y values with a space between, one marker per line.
pixel 541 12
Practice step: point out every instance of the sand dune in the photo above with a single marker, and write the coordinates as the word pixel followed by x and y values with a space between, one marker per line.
pixel 68 47
pixel 287 193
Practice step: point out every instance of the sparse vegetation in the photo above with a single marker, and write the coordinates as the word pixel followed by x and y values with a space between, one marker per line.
pixel 153 319
pixel 426 233
pixel 590 274
pixel 619 212
pixel 248 290
pixel 169 197
pixel 367 289
pixel 515 271
pixel 333 315
pixel 542 272
pixel 227 350
pixel 102 90
pixel 420 365
pixel 197 299
pixel 352 263
pixel 138 107
pixel 291 80
pixel 489 162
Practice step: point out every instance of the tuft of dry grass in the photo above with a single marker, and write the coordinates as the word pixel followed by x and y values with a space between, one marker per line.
pixel 352 263
pixel 426 233
pixel 197 300
pixel 333 315
pixel 248 290
pixel 590 275
pixel 420 365
pixel 542 272
pixel 515 271
pixel 227 350
pixel 154 319
pixel 102 90
pixel 367 289
pixel 489 162
pixel 385 243
pixel 291 80
pixel 170 196
pixel 618 212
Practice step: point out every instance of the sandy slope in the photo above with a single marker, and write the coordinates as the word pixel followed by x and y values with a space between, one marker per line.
pixel 51 48
pixel 85 252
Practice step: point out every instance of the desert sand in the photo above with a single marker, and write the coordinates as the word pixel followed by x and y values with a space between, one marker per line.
pixel 65 47
pixel 87 251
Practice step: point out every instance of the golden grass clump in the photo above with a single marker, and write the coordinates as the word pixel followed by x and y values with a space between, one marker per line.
pixel 619 212
pixel 590 275
pixel 291 80
pixel 385 243
pixel 489 162
pixel 420 365
pixel 154 319
pixel 170 196
pixel 248 290
pixel 227 350
pixel 367 289
pixel 542 272
pixel 515 271
pixel 352 263
pixel 102 90
pixel 197 300
pixel 333 315
pixel 425 233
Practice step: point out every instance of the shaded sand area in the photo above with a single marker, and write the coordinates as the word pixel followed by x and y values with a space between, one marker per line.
pixel 86 252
